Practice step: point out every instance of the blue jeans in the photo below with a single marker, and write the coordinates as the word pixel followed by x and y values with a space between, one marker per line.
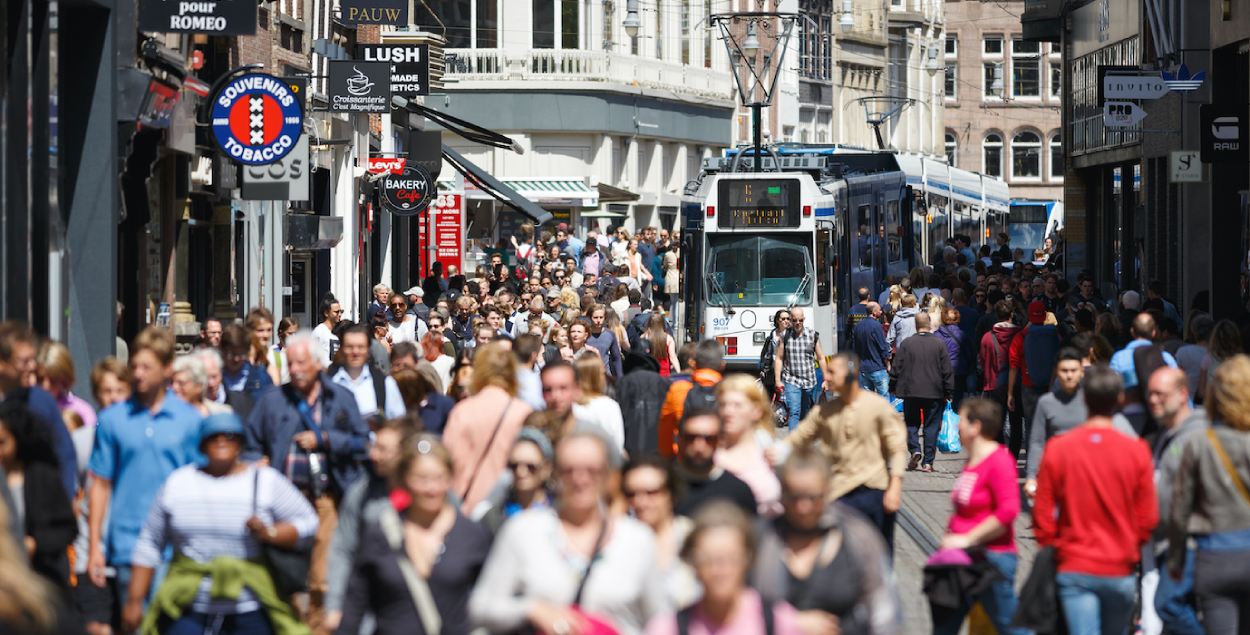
pixel 254 623
pixel 878 382
pixel 1096 604
pixel 1174 599
pixel 799 401
pixel 999 601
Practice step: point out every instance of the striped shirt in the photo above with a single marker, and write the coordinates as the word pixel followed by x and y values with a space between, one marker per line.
pixel 203 517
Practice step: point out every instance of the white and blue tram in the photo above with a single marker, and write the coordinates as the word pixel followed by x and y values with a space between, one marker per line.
pixel 817 223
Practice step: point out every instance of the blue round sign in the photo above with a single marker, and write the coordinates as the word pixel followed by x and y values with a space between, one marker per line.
pixel 257 118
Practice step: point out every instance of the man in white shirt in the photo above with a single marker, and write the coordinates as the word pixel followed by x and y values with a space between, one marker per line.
pixel 403 326
pixel 521 323
pixel 367 385
pixel 331 315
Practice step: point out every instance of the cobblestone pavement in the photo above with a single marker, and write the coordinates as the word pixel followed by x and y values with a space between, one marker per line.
pixel 926 509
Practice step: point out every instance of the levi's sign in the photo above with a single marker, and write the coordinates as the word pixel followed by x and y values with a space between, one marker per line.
pixel 410 66
pixel 387 165
pixel 1148 86
pixel 215 17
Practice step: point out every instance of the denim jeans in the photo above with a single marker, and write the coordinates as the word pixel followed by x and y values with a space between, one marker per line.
pixel 871 503
pixel 878 382
pixel 799 401
pixel 253 623
pixel 1095 604
pixel 1174 599
pixel 999 601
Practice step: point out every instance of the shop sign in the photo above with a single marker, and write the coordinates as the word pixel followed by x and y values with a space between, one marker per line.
pixel 218 17
pixel 1182 81
pixel 1225 137
pixel 387 165
pixel 356 12
pixel 410 66
pixel 1122 114
pixel 257 119
pixel 446 221
pixel 1186 167
pixel 359 86
pixel 409 192
pixel 1138 86
pixel 283 180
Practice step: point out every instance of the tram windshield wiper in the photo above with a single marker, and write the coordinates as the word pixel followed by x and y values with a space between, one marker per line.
pixel 720 291
pixel 794 299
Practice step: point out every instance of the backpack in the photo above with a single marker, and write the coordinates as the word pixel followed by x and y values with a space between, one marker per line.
pixel 379 385
pixel 1146 360
pixel 700 399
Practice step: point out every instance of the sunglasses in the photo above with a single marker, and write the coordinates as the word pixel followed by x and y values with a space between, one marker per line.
pixel 710 439
pixel 784 318
pixel 798 319
pixel 513 466
pixel 398 305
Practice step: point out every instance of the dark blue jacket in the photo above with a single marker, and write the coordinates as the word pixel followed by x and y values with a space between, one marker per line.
pixel 42 406
pixel 1041 349
pixel 250 379
pixel 969 317
pixel 276 419
pixel 868 341
pixel 434 412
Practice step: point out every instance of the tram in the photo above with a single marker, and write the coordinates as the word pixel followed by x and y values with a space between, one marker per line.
pixel 1031 222
pixel 807 230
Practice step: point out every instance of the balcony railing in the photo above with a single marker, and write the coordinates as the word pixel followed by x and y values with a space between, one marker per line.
pixel 569 65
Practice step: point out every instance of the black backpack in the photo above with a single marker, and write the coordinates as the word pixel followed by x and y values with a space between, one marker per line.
pixel 379 385
pixel 700 399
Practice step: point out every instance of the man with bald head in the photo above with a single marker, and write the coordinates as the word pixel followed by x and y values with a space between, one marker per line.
pixel 1167 398
pixel 1135 363
pixel 868 342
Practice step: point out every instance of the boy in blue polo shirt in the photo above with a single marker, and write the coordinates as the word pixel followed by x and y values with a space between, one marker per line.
pixel 138 443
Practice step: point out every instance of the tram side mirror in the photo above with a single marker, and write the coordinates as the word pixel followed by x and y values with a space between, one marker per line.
pixel 831 255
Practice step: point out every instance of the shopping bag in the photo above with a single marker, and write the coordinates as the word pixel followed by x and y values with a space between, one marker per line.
pixel 897 403
pixel 948 437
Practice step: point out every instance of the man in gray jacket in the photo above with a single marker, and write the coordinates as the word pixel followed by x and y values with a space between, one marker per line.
pixel 923 377
pixel 1167 397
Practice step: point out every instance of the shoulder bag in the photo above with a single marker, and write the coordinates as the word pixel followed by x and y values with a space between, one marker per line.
pixel 486 450
pixel 1228 465
pixel 287 567
pixel 422 598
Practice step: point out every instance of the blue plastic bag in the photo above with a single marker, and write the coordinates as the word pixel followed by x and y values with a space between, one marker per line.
pixel 948 437
pixel 897 402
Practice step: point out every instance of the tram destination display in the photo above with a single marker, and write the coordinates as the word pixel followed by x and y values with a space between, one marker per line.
pixel 758 203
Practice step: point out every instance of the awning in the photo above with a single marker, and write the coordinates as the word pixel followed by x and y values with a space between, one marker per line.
pixel 613 194
pixel 602 213
pixel 494 187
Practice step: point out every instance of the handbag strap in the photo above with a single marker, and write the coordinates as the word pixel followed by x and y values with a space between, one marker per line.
pixel 418 587
pixel 486 450
pixel 1228 465
pixel 255 487
pixel 594 557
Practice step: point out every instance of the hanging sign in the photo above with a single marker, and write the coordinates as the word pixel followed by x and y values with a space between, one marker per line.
pixel 360 86
pixel 286 179
pixel 410 66
pixel 387 165
pixel 216 17
pixel 409 192
pixel 1224 134
pixel 1122 114
pixel 356 12
pixel 257 119
pixel 1186 167
pixel 446 221
pixel 1136 86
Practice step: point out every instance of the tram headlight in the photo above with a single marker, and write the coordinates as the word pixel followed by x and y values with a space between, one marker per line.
pixel 759 337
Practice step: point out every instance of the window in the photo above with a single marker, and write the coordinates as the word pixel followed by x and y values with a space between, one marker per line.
pixel 952 46
pixel 993 79
pixel 864 236
pixel 758 270
pixel 1056 157
pixel 1026 156
pixel 570 24
pixel 1026 64
pixel 609 25
pixel 659 30
pixel 684 32
pixel 452 14
pixel 1056 79
pixel 992 45
pixel 993 155
pixel 707 36
pixel 952 80
pixel 544 24
pixel 952 147
pixel 893 233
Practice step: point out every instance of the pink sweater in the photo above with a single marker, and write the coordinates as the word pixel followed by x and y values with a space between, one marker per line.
pixel 988 488
pixel 468 439
pixel 747 620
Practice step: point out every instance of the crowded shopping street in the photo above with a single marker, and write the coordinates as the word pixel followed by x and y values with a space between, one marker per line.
pixel 624 317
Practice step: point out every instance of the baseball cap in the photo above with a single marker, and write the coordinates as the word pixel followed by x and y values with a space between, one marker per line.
pixel 417 291
pixel 563 227
pixel 1037 312
pixel 221 423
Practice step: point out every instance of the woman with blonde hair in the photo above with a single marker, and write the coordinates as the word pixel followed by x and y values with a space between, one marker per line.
pixel 1211 502
pixel 746 433
pixel 481 427
pixel 595 406
pixel 56 370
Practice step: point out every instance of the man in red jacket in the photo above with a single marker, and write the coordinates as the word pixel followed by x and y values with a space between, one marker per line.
pixel 1096 506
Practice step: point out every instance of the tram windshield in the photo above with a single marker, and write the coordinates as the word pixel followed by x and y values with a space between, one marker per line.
pixel 760 270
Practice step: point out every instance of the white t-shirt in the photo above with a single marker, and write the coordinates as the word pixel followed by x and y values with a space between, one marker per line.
pixel 409 331
pixel 328 341
pixel 605 413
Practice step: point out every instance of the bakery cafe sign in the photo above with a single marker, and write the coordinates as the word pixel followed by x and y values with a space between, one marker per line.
pixel 409 192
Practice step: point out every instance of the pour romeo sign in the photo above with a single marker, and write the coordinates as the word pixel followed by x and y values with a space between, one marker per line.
pixel 216 17
pixel 410 66
pixel 410 192
pixel 360 86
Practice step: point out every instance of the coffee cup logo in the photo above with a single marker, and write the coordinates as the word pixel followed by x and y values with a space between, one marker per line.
pixel 359 84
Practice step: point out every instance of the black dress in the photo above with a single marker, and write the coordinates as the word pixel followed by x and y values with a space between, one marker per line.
pixel 377 585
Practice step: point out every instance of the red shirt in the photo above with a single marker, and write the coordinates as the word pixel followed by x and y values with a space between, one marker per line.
pixel 1095 500
pixel 988 489
pixel 1015 357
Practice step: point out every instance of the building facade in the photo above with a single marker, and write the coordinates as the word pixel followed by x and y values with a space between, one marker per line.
pixel 1003 97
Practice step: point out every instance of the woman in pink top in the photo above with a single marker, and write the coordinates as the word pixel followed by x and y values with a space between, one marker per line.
pixel 747 433
pixel 481 428
pixel 986 500
pixel 721 548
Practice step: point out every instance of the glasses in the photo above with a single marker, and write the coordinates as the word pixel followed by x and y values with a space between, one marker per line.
pixel 399 305
pixel 649 493
pixel 514 466
pixel 784 318
pixel 709 439
pixel 800 320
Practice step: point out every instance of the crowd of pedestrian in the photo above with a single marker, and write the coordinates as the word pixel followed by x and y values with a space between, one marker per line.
pixel 527 449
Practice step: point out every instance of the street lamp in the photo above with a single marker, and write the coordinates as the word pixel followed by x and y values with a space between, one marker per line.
pixel 631 22
pixel 847 21
pixel 751 45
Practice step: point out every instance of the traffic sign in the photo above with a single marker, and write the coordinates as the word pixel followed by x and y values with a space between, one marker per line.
pixel 1122 114
pixel 1186 167
pixel 1135 86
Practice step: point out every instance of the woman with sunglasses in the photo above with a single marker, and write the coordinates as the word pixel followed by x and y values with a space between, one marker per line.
pixel 216 517
pixel 647 483
pixel 782 323
pixel 529 465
